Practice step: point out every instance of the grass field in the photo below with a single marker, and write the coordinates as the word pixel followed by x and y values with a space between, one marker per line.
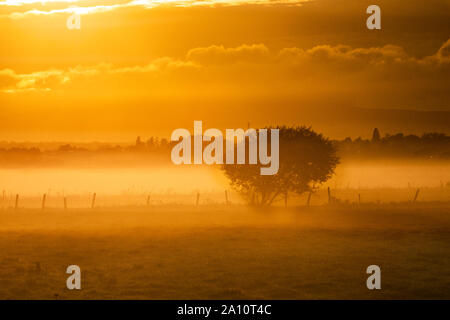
pixel 227 252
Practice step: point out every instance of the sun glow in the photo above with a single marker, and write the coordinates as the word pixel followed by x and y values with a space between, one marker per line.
pixel 27 2
pixel 145 4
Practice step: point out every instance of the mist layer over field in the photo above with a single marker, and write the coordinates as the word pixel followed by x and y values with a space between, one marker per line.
pixel 145 236
pixel 171 179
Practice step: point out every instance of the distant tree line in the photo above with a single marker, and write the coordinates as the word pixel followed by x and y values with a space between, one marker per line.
pixel 428 145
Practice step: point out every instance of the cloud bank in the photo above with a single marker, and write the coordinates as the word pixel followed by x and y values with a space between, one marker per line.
pixel 256 70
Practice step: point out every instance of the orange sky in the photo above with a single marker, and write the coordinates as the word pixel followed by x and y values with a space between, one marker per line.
pixel 149 67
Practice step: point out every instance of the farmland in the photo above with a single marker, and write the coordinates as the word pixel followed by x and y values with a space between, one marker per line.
pixel 227 252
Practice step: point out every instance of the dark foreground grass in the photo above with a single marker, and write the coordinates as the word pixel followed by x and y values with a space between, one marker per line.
pixel 226 253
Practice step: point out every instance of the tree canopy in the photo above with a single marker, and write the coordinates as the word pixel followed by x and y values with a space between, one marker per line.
pixel 307 159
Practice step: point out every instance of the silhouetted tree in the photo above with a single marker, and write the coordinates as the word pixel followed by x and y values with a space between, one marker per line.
pixel 138 141
pixel 307 159
pixel 375 135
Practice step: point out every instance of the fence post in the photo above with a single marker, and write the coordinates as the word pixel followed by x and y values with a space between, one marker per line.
pixel 93 201
pixel 148 200
pixel 44 197
pixel 198 199
pixel 226 197
pixel 329 196
pixel 416 195
pixel 359 198
pixel 17 201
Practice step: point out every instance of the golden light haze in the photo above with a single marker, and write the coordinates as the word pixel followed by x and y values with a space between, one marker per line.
pixel 87 177
pixel 148 67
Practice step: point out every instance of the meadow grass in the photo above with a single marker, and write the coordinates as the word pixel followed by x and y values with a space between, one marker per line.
pixel 227 252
